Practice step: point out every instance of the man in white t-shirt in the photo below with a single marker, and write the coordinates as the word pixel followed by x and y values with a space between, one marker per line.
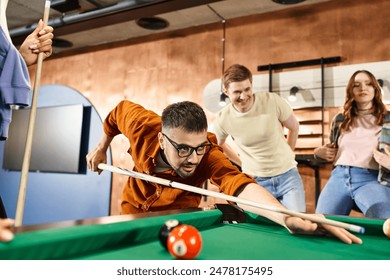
pixel 255 122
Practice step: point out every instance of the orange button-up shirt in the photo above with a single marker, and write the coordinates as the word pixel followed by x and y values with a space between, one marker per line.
pixel 141 127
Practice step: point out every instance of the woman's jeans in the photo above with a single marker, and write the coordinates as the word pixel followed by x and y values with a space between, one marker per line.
pixel 353 185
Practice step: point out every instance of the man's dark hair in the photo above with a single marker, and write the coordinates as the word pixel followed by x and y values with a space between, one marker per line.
pixel 186 115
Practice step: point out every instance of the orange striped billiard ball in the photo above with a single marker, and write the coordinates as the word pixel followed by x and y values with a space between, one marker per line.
pixel 184 242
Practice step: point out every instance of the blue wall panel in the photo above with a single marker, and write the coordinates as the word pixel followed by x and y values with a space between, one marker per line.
pixel 53 197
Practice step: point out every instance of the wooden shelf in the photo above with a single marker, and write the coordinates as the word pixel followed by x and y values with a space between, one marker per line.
pixel 311 129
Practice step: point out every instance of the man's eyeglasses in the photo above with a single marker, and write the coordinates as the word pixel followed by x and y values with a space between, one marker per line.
pixel 185 150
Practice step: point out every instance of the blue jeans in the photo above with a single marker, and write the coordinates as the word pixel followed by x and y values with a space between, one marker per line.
pixel 287 188
pixel 352 185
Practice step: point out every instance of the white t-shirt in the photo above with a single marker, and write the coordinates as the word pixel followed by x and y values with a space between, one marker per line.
pixel 258 135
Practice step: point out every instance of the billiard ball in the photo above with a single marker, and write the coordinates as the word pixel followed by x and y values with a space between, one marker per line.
pixel 184 242
pixel 386 228
pixel 165 230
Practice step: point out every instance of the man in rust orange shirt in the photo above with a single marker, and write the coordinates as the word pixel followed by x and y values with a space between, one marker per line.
pixel 176 146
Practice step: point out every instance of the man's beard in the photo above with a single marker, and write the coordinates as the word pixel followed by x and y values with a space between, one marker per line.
pixel 178 170
pixel 182 172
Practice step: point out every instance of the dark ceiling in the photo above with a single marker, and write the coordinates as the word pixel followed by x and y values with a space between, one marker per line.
pixel 85 23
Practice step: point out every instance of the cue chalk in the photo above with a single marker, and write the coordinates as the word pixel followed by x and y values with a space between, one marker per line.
pixel 177 185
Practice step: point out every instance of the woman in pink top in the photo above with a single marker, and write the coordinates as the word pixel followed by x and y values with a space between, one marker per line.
pixel 354 137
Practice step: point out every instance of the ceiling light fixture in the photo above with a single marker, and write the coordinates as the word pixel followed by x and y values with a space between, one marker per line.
pixel 64 6
pixel 288 2
pixel 222 99
pixel 152 23
pixel 293 94
pixel 61 43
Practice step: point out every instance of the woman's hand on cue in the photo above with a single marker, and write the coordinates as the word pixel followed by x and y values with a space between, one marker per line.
pixel 39 41
pixel 299 226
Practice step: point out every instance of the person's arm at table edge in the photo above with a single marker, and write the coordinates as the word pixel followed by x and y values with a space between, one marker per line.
pixel 294 225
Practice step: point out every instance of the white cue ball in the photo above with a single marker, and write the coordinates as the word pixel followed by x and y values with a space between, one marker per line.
pixel 386 228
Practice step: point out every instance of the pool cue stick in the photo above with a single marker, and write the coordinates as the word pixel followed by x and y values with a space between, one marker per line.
pixel 30 132
pixel 165 182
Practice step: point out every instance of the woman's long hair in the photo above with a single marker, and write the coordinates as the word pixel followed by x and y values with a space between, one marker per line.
pixel 350 106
